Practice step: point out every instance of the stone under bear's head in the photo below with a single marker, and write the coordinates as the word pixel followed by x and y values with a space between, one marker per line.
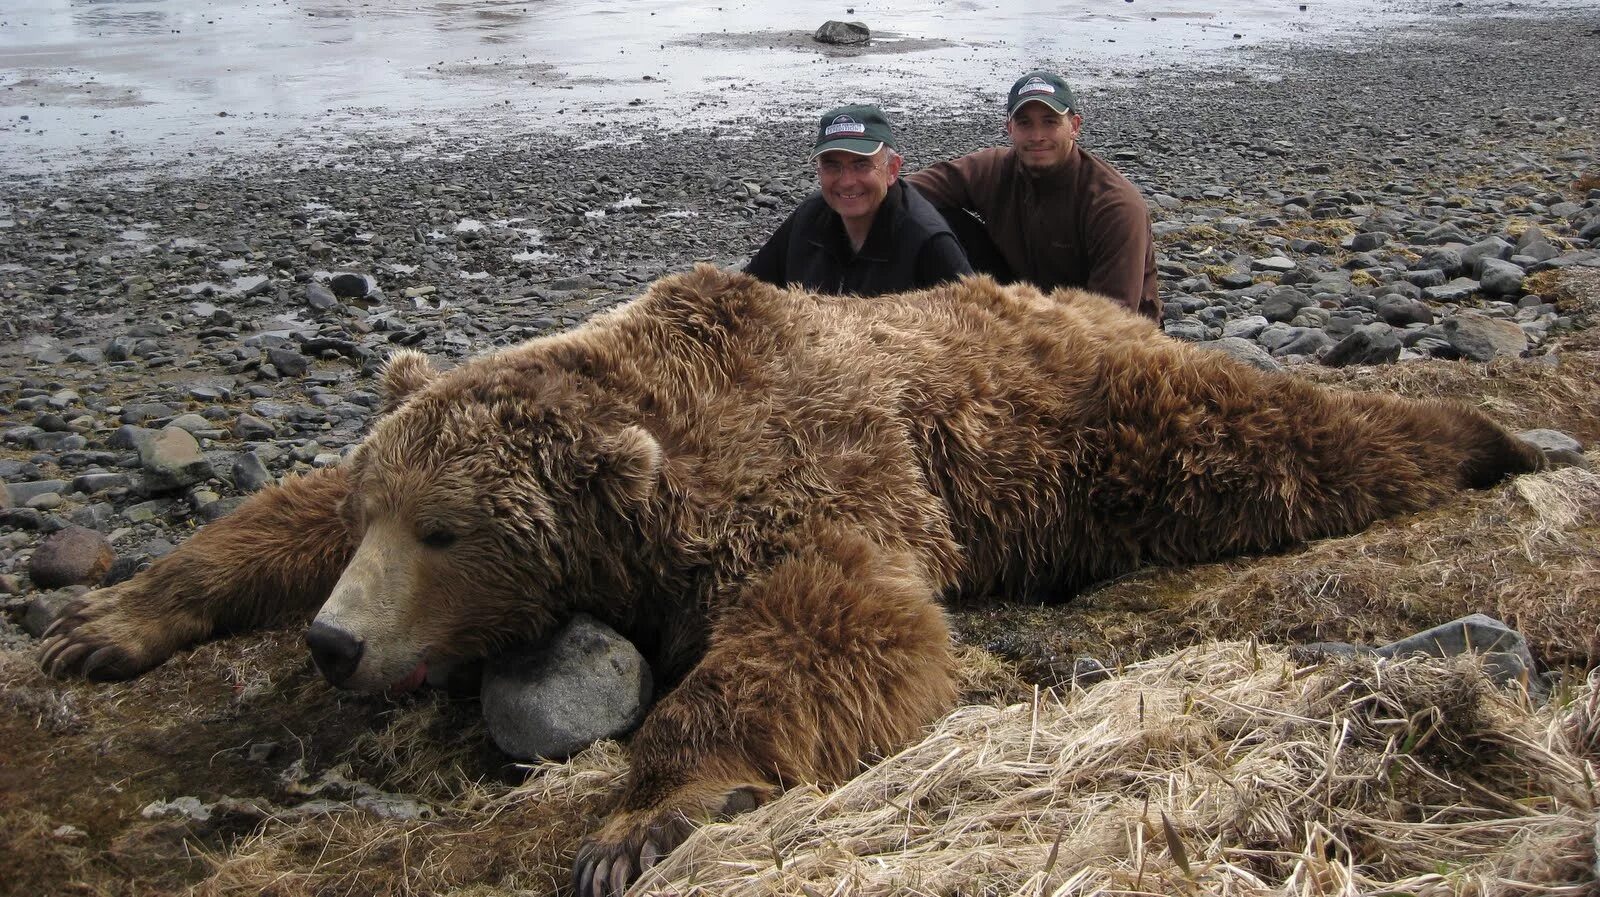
pixel 483 507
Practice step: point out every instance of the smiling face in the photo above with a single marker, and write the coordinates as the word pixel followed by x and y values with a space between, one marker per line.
pixel 854 185
pixel 465 504
pixel 1043 137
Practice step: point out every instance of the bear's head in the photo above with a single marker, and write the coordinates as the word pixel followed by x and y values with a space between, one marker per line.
pixel 486 505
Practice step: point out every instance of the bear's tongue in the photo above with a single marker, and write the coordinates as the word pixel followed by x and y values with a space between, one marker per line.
pixel 412 679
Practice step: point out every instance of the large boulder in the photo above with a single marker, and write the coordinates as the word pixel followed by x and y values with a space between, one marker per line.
pixel 1480 338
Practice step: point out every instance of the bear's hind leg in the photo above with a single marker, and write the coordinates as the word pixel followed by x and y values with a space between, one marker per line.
pixel 274 559
pixel 840 654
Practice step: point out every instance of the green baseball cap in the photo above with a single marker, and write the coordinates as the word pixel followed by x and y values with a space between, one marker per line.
pixel 862 130
pixel 1040 87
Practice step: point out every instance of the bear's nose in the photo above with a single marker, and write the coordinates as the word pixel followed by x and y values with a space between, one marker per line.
pixel 337 653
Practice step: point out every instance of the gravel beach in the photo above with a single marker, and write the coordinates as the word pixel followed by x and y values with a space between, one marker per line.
pixel 176 336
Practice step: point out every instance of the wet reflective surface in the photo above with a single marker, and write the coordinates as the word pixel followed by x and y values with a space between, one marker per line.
pixel 102 79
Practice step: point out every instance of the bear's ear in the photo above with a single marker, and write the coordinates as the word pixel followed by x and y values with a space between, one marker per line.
pixel 630 467
pixel 406 371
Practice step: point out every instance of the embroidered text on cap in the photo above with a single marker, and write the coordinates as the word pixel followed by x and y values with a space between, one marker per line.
pixel 844 124
pixel 1036 85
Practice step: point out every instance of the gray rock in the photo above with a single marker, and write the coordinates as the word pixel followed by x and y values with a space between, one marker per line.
pixel 172 461
pixel 1188 330
pixel 147 511
pixel 1551 441
pixel 1493 248
pixel 1445 233
pixel 1243 350
pixel 22 493
pixel 1480 338
pixel 1454 291
pixel 1427 277
pixel 1500 278
pixel 44 607
pixel 129 436
pixel 1272 263
pixel 249 474
pixel 843 33
pixel 1535 244
pixel 93 483
pixel 1086 671
pixel 1365 345
pixel 1247 327
pixel 1369 241
pixel 288 362
pixel 1304 341
pixel 1401 311
pixel 251 428
pixel 195 424
pixel 553 700
pixel 1284 304
pixel 1505 650
pixel 1445 258
pixel 71 556
pixel 320 298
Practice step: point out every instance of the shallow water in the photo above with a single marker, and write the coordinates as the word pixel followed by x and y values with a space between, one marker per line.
pixel 96 80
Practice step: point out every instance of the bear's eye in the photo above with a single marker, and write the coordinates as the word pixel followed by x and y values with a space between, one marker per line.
pixel 439 538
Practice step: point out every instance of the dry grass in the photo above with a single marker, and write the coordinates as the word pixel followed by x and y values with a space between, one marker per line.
pixel 1223 770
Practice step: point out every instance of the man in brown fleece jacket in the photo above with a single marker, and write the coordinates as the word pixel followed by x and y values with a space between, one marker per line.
pixel 1057 215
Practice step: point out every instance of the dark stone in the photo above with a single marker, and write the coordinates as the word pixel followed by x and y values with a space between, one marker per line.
pixel 1505 651
pixel 843 33
pixel 350 286
pixel 1368 241
pixel 1367 345
pixel 69 557
pixel 249 474
pixel 288 362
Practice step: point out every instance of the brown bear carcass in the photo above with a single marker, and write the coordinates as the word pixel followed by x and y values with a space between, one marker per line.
pixel 770 492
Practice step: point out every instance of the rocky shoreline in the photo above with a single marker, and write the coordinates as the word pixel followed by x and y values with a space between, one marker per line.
pixel 177 338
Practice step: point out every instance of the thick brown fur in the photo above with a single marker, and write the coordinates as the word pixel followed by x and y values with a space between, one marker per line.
pixel 769 492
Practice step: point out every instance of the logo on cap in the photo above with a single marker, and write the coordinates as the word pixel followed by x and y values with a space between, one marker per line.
pixel 1035 85
pixel 844 124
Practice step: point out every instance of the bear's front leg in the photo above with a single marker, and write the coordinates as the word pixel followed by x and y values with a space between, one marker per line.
pixel 840 654
pixel 274 559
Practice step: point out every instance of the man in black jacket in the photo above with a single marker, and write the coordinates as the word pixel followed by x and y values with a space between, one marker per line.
pixel 865 232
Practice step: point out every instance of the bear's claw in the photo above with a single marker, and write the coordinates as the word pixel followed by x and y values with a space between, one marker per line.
pixel 610 861
pixel 631 843
pixel 94 639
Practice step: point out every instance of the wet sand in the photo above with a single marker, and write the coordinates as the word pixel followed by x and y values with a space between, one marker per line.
pixel 82 83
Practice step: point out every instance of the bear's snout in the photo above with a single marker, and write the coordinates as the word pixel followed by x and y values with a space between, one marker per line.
pixel 336 652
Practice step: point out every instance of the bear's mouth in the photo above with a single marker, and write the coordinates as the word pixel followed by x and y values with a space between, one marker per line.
pixel 412 680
